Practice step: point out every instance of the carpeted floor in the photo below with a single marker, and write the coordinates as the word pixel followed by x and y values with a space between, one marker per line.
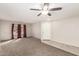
pixel 29 47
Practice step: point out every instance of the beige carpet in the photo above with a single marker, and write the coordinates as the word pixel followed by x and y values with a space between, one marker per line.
pixel 29 47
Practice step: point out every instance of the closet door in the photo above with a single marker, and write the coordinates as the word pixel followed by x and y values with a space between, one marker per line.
pixel 19 31
pixel 22 30
pixel 24 26
pixel 12 30
pixel 15 31
pixel 46 30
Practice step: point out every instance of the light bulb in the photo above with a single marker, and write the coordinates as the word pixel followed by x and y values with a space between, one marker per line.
pixel 45 12
pixel 45 8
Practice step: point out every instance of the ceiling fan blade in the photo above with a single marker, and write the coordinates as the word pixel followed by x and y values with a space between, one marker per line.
pixel 49 14
pixel 46 4
pixel 56 9
pixel 39 14
pixel 35 9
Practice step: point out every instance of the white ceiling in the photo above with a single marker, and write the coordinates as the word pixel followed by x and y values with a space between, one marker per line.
pixel 21 12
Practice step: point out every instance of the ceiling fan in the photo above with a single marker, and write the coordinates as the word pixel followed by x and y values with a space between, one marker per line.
pixel 45 9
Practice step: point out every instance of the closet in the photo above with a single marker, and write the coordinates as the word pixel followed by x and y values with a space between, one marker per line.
pixel 18 31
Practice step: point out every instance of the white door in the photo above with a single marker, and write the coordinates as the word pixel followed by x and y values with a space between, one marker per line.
pixel 46 30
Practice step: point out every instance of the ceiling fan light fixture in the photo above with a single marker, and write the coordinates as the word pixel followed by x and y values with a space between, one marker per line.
pixel 44 12
pixel 45 8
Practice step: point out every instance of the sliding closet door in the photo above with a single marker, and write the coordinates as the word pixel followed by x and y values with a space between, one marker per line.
pixel 19 31
pixel 12 31
pixel 24 26
pixel 22 31
pixel 15 31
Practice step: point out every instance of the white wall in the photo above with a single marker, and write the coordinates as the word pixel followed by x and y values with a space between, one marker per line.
pixel 29 30
pixel 66 31
pixel 36 30
pixel 5 29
